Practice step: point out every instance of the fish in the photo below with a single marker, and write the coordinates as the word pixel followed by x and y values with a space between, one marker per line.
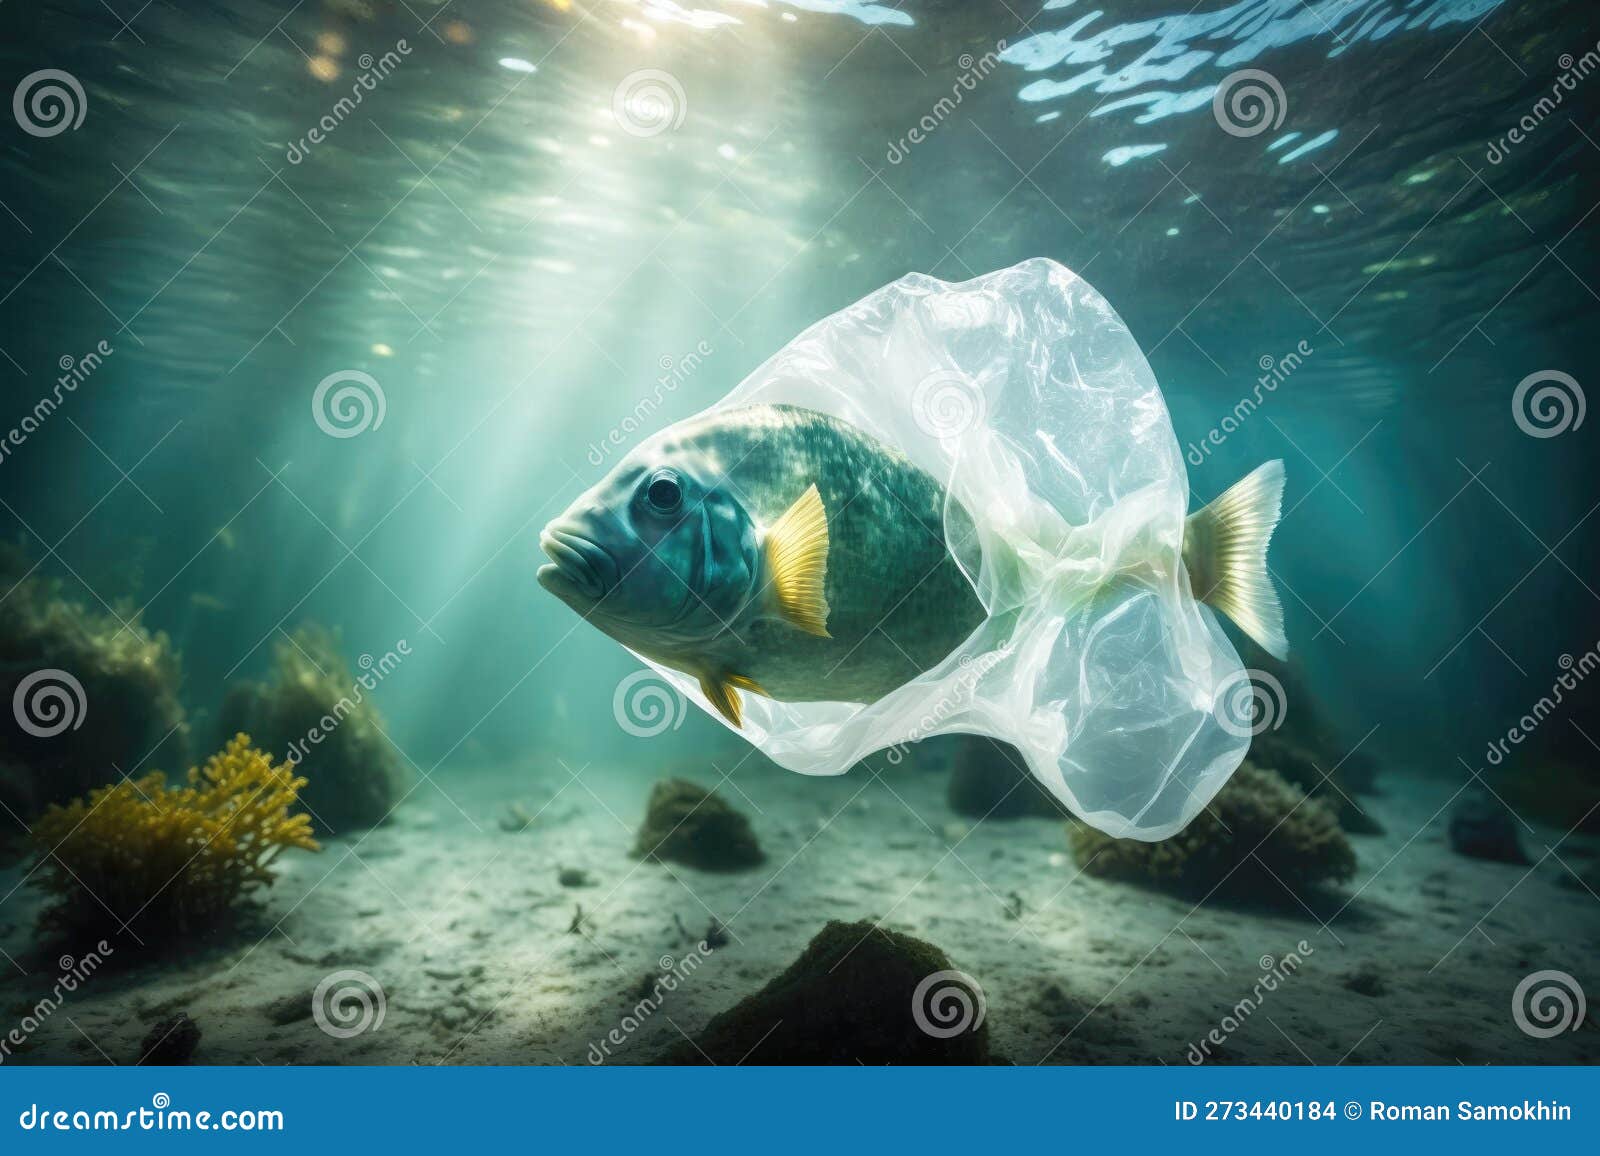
pixel 778 551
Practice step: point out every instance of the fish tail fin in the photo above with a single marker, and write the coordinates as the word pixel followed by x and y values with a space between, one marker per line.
pixel 1225 552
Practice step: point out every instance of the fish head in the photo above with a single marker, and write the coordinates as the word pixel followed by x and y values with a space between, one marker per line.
pixel 658 554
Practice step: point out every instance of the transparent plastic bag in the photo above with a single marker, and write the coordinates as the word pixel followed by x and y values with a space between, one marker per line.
pixel 1024 394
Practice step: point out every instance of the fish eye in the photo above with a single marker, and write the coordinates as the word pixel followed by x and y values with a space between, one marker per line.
pixel 665 492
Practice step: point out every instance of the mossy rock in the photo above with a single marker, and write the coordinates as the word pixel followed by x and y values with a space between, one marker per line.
pixel 123 716
pixel 685 823
pixel 314 711
pixel 989 780
pixel 1323 780
pixel 1259 835
pixel 849 998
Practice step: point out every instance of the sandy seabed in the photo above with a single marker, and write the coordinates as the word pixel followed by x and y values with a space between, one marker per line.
pixel 464 925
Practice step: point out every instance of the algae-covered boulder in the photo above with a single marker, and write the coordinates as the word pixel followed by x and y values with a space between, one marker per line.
pixel 685 823
pixel 315 713
pixel 1259 835
pixel 859 993
pixel 1481 827
pixel 1323 780
pixel 93 694
pixel 989 780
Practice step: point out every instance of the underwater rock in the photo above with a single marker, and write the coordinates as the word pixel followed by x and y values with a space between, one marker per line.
pixel 1259 835
pixel 989 780
pixel 687 824
pixel 171 1042
pixel 1322 781
pixel 98 692
pixel 851 997
pixel 290 1008
pixel 1482 828
pixel 1366 980
pixel 169 860
pixel 574 877
pixel 314 712
pixel 516 819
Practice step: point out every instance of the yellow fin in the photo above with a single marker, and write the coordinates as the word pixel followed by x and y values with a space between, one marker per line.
pixel 796 550
pixel 1225 552
pixel 744 683
pixel 719 691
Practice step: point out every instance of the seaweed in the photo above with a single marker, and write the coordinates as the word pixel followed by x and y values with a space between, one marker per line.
pixel 94 692
pixel 170 859
pixel 319 716
pixel 1259 836
pixel 685 823
pixel 859 993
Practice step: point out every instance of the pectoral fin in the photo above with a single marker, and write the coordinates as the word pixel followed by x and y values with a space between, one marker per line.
pixel 721 691
pixel 796 550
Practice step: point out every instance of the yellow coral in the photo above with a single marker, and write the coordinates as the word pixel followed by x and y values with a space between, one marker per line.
pixel 143 852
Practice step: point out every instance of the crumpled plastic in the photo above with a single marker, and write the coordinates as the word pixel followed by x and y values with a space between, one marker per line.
pixel 1025 395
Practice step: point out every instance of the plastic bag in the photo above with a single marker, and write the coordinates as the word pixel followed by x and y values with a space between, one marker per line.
pixel 1024 394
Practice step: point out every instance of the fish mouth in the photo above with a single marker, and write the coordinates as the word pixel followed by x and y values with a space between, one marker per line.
pixel 578 568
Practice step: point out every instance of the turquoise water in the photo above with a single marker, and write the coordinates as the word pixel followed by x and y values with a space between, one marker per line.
pixel 514 269
pixel 526 233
